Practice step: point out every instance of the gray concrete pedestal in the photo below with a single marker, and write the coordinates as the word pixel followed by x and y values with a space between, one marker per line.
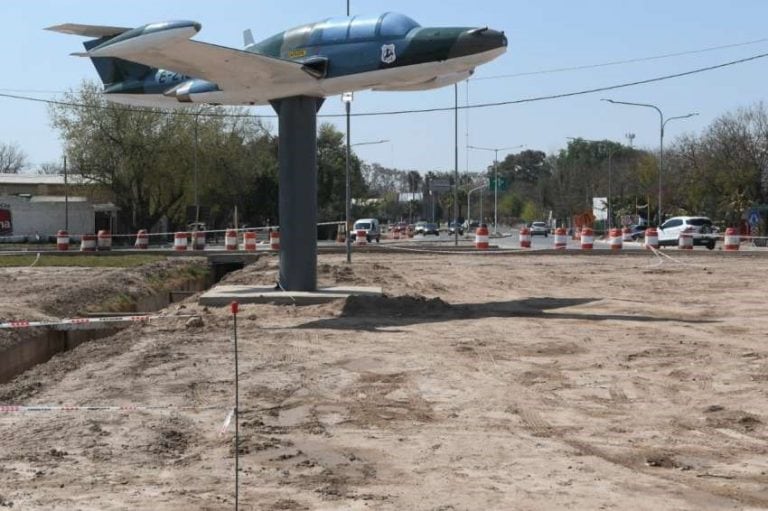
pixel 297 155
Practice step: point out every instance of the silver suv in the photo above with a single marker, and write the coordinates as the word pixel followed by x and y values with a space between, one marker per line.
pixel 700 227
pixel 539 228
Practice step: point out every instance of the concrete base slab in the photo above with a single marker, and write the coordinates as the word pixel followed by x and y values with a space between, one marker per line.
pixel 220 296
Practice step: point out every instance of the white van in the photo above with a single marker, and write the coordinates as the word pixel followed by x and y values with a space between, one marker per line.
pixel 371 228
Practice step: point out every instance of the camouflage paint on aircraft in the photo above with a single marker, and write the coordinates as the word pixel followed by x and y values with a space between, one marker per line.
pixel 386 52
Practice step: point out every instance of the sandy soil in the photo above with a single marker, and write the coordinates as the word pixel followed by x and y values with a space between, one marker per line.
pixel 38 293
pixel 531 383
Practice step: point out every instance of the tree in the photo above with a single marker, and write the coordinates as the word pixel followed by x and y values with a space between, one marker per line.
pixel 724 171
pixel 50 169
pixel 146 158
pixel 12 159
pixel 414 181
pixel 332 154
pixel 381 180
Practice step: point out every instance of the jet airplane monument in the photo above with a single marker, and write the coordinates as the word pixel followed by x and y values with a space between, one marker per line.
pixel 160 65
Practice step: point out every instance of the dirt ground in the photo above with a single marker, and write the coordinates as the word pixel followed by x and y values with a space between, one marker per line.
pixel 39 293
pixel 478 382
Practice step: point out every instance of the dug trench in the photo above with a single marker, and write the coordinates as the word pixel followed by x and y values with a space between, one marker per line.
pixel 35 294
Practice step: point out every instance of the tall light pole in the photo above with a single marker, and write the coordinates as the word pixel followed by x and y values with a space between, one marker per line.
pixel 662 125
pixel 197 200
pixel 456 164
pixel 495 151
pixel 469 197
pixel 347 98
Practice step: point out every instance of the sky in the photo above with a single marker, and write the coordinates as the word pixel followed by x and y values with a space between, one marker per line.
pixel 544 35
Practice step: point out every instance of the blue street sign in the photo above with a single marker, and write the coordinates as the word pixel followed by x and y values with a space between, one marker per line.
pixel 754 218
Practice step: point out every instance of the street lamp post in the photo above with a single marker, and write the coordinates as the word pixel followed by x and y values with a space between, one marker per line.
pixel 469 198
pixel 347 98
pixel 662 125
pixel 197 200
pixel 495 179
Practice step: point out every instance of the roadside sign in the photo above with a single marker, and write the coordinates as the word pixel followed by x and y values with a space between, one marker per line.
pixel 501 181
pixel 754 218
pixel 440 185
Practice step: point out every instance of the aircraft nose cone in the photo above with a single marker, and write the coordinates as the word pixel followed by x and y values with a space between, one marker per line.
pixel 494 38
pixel 479 40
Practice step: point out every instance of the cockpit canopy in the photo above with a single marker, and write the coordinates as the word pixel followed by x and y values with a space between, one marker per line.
pixel 390 25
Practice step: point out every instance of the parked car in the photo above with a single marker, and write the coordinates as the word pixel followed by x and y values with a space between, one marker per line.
pixel 452 228
pixel 700 227
pixel 470 225
pixel 431 228
pixel 637 232
pixel 400 227
pixel 371 228
pixel 418 227
pixel 539 229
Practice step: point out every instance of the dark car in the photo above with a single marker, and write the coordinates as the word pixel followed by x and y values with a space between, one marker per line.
pixel 452 228
pixel 430 228
pixel 637 232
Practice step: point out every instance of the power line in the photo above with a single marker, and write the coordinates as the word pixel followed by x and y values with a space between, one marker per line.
pixel 621 62
pixel 566 94
pixel 402 112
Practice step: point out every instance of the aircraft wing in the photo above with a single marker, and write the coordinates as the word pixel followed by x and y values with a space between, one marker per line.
pixel 228 67
pixel 88 30
pixel 167 46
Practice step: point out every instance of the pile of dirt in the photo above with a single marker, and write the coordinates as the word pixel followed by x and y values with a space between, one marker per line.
pixel 408 305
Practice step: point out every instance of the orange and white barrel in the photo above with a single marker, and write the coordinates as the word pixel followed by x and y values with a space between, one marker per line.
pixel 626 234
pixel 685 241
pixel 360 237
pixel 651 238
pixel 615 239
pixel 104 240
pixel 481 238
pixel 561 238
pixel 340 235
pixel 62 241
pixel 731 242
pixel 180 241
pixel 525 238
pixel 230 239
pixel 274 240
pixel 142 240
pixel 587 238
pixel 396 233
pixel 88 243
pixel 198 240
pixel 249 241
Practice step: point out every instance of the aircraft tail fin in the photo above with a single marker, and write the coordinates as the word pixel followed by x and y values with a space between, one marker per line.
pixel 113 70
pixel 248 39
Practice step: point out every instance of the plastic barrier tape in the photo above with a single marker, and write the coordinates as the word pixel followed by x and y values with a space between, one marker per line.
pixel 63 323
pixel 127 408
